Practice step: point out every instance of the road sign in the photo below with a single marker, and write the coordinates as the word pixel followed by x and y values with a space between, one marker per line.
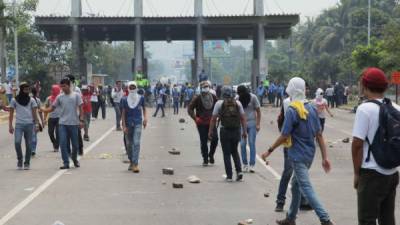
pixel 396 77
pixel 217 49
pixel 227 80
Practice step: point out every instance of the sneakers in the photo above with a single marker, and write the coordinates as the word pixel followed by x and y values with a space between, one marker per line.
pixel 130 167
pixel 239 177
pixel 26 167
pixel 65 167
pixel 245 168
pixel 286 222
pixel 19 166
pixel 212 161
pixel 33 154
pixel 86 138
pixel 55 150
pixel 229 180
pixel 135 169
pixel 205 163
pixel 327 223
pixel 279 207
pixel 77 164
pixel 251 169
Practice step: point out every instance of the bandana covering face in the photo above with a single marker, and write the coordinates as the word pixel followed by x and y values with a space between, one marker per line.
pixel 55 91
pixel 22 97
pixel 296 89
pixel 133 97
pixel 319 94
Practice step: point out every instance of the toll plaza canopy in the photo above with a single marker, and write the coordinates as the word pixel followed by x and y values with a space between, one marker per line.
pixel 166 28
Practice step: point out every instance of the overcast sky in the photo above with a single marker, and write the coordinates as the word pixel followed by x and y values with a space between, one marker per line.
pixel 184 7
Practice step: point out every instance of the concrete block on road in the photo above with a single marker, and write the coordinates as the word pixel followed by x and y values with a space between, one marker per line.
pixel 168 171
pixel 177 185
pixel 193 179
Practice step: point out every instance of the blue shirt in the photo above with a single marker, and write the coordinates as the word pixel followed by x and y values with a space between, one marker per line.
pixel 272 88
pixel 303 134
pixel 189 94
pixel 133 116
pixel 175 94
pixel 261 91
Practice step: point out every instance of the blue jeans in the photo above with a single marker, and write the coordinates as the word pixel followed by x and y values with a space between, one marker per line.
pixel 301 185
pixel 25 130
pixel 68 135
pixel 34 139
pixel 252 133
pixel 159 106
pixel 117 114
pixel 133 143
pixel 9 97
pixel 176 107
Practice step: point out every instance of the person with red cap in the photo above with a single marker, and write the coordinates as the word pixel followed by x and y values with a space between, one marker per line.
pixel 375 182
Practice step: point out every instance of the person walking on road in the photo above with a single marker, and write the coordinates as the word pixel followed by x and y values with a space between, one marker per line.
pixel 117 94
pixel 160 102
pixel 330 95
pixel 94 100
pixel 261 93
pixel 134 117
pixel 70 103
pixel 53 117
pixel 41 123
pixel 87 111
pixel 300 128
pixel 200 110
pixel 322 105
pixel 232 116
pixel 26 121
pixel 375 151
pixel 251 107
pixel 101 97
pixel 175 98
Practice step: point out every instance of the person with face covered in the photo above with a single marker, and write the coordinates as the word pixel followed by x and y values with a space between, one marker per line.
pixel 322 105
pixel 26 122
pixel 134 118
pixel 200 110
pixel 41 125
pixel 251 107
pixel 301 127
pixel 53 117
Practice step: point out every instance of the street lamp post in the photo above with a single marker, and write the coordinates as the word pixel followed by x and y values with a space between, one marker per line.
pixel 16 43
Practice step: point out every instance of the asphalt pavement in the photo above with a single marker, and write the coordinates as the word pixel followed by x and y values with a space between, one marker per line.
pixel 104 192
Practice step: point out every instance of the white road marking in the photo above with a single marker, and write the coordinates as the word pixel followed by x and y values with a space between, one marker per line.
pixel 269 168
pixel 18 208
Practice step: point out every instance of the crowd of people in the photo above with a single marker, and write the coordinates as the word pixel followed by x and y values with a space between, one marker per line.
pixel 233 119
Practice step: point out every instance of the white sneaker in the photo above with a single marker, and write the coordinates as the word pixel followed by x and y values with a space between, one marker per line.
pixel 251 170
pixel 245 168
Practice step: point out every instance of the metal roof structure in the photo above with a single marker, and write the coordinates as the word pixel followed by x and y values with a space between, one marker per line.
pixel 232 27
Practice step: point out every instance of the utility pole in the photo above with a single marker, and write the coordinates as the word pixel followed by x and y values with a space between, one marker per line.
pixel 16 43
pixel 369 22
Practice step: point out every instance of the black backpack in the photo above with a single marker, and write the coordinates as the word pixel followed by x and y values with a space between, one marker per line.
pixel 386 144
pixel 230 115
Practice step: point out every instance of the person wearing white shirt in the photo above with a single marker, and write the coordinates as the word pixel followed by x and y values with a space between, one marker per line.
pixel 117 94
pixel 375 185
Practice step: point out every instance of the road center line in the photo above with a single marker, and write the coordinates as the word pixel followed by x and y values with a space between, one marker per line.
pixel 269 168
pixel 18 208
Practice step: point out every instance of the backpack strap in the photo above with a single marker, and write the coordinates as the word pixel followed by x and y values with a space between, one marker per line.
pixel 367 139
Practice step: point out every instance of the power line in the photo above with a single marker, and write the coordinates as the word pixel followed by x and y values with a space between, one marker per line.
pixel 152 6
pixel 279 6
pixel 89 6
pixel 120 8
pixel 216 7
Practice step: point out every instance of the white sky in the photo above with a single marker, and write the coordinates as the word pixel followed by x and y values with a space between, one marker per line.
pixel 184 7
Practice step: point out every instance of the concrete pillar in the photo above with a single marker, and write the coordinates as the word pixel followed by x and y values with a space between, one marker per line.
pixel 199 53
pixel 198 8
pixel 138 49
pixel 76 8
pixel 138 5
pixel 260 70
pixel 258 7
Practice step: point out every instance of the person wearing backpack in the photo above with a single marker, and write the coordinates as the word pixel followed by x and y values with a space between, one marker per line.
pixel 376 151
pixel 204 104
pixel 301 127
pixel 233 120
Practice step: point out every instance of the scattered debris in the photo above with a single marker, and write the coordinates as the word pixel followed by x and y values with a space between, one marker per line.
pixel 272 122
pixel 246 222
pixel 177 185
pixel 330 146
pixel 182 128
pixel 174 151
pixel 249 221
pixel 58 223
pixel 105 156
pixel 164 182
pixel 267 163
pixel 266 195
pixel 193 179
pixel 168 171
pixel 181 120
pixel 346 140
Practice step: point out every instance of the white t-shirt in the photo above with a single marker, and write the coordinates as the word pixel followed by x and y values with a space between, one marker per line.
pixel 286 104
pixel 9 89
pixel 365 125
pixel 321 107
